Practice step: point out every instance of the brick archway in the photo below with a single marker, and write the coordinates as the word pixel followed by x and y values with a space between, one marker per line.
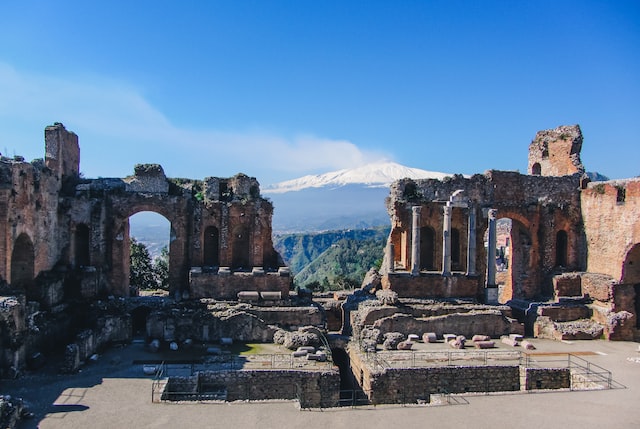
pixel 171 208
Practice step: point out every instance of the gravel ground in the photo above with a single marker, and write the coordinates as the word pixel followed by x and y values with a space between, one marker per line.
pixel 113 392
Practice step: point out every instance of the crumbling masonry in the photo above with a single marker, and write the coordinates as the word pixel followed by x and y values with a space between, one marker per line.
pixel 547 250
pixel 569 263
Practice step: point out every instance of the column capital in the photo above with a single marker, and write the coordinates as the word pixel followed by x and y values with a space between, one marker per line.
pixel 492 214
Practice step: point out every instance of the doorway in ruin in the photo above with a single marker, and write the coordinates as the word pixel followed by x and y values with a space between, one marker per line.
pixel 139 317
pixel 427 248
pixel 562 243
pixel 82 246
pixel 631 276
pixel 211 257
pixel 22 264
pixel 150 238
pixel 512 259
pixel 241 249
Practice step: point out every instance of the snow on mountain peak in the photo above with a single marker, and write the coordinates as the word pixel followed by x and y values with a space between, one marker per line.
pixel 378 174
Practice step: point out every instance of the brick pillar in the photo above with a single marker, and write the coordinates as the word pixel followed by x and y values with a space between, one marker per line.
pixel 492 288
pixel 415 240
pixel 446 240
pixel 471 243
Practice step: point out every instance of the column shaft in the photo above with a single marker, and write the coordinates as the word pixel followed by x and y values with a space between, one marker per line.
pixel 415 240
pixel 471 243
pixel 446 240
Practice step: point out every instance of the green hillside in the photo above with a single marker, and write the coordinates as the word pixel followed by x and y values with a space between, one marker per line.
pixel 334 259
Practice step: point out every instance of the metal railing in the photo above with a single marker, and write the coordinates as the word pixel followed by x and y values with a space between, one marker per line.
pixel 417 359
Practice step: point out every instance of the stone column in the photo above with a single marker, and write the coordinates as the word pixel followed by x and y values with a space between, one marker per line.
pixel 492 289
pixel 415 240
pixel 391 257
pixel 471 243
pixel 446 240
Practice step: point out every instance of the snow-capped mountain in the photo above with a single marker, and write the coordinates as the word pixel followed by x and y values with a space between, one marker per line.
pixel 379 174
pixel 350 198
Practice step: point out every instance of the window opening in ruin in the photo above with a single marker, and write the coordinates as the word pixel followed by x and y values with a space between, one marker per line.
pixel 427 248
pixel 455 248
pixel 241 249
pixel 545 153
pixel 621 194
pixel 211 240
pixel 22 264
pixel 149 251
pixel 82 240
pixel 561 248
pixel 536 169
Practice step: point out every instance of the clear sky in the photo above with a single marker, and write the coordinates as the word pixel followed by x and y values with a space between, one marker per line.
pixel 279 89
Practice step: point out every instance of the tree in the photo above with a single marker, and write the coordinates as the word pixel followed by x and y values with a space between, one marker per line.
pixel 141 273
pixel 161 269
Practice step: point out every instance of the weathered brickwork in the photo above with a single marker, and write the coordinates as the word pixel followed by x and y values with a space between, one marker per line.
pixel 567 238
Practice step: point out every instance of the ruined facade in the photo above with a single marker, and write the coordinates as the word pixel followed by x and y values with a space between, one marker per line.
pixel 443 239
pixel 66 238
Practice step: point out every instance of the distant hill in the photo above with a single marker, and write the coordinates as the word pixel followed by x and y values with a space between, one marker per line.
pixel 343 199
pixel 332 259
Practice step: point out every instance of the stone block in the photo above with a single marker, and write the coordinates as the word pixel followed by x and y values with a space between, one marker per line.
pixel 248 295
pixel 509 341
pixel 429 337
pixel 476 338
pixel 405 345
pixel 271 295
pixel 484 344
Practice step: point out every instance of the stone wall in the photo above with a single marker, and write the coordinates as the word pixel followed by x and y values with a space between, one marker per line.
pixel 610 213
pixel 313 389
pixel 428 285
pixel 225 284
pixel 546 378
pixel 475 322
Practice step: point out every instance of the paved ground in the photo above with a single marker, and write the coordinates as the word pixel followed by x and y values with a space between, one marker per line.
pixel 115 393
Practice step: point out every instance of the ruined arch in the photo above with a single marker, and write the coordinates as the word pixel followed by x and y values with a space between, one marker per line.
pixel 241 250
pixel 631 266
pixel 211 257
pixel 23 263
pixel 120 241
pixel 427 248
pixel 631 276
pixel 82 257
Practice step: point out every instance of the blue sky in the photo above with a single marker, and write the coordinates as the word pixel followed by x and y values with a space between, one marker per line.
pixel 279 89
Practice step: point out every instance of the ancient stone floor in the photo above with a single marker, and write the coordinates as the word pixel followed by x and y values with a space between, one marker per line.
pixel 114 392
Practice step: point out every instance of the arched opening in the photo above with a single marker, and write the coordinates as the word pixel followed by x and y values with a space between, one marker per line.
pixel 211 257
pixel 22 264
pixel 82 240
pixel 631 276
pixel 427 248
pixel 536 169
pixel 241 256
pixel 455 249
pixel 561 248
pixel 149 251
